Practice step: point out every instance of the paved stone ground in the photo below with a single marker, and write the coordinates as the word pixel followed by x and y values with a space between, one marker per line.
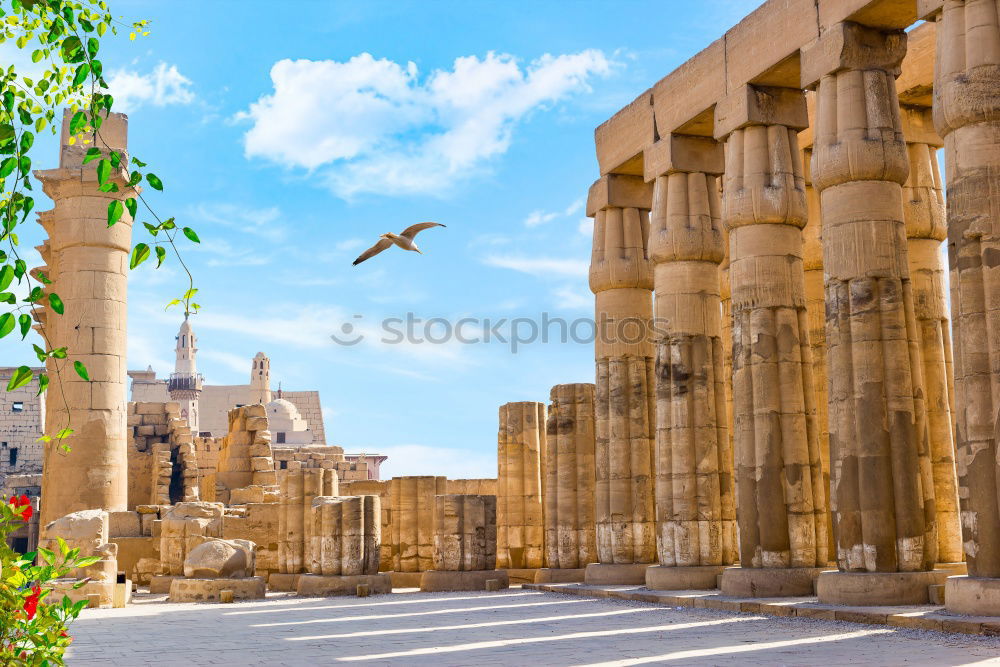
pixel 513 627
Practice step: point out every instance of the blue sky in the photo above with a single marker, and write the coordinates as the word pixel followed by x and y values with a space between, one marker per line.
pixel 291 139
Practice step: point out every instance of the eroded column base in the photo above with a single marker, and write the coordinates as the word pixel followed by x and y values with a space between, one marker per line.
pixel 333 584
pixel 953 569
pixel 553 575
pixel 603 574
pixel 405 579
pixel 183 589
pixel 872 589
pixel 769 582
pixel 699 577
pixel 972 596
pixel 439 581
pixel 279 581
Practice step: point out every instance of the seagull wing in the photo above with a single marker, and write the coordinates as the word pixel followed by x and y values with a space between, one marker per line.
pixel 412 230
pixel 374 250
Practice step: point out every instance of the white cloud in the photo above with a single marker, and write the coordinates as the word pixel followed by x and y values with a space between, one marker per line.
pixel 574 299
pixel 537 217
pixel 257 221
pixel 425 460
pixel 586 227
pixel 163 86
pixel 540 266
pixel 234 362
pixel 396 132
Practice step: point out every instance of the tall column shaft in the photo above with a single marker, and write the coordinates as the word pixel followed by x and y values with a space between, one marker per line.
pixel 924 214
pixel 622 282
pixel 781 507
pixel 411 512
pixel 520 479
pixel 694 462
pixel 87 263
pixel 967 117
pixel 882 486
pixel 812 265
pixel 570 533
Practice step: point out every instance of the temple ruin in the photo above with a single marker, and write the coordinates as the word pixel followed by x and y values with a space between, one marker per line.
pixel 784 404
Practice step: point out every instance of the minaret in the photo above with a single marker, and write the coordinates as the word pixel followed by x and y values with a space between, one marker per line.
pixel 185 382
pixel 260 379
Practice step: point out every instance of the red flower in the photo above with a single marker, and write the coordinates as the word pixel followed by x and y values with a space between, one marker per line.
pixel 31 602
pixel 22 502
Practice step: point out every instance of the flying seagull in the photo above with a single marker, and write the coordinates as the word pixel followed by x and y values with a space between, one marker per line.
pixel 404 240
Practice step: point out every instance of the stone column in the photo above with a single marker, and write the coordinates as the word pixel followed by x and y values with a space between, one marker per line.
pixel 625 402
pixel 412 521
pixel 298 490
pixel 465 545
pixel 781 507
pixel 345 535
pixel 696 520
pixel 924 215
pixel 570 534
pixel 87 263
pixel 812 265
pixel 883 492
pixel 521 451
pixel 967 117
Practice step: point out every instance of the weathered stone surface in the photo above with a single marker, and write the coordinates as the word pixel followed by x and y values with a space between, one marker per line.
pixel 434 581
pixel 877 588
pixel 676 578
pixel 208 590
pixel 465 533
pixel 621 280
pixel 324 585
pixel 215 559
pixel 570 536
pixel 298 489
pixel 412 508
pixel 345 535
pixel 521 451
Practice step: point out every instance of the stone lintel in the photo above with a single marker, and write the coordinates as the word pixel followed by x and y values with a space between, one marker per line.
pixel 849 45
pixel 760 105
pixel 619 191
pixel 918 126
pixel 680 152
pixel 929 9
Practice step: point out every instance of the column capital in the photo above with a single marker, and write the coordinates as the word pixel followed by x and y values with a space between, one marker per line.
pixel 849 45
pixel 760 105
pixel 619 191
pixel 683 153
pixel 917 124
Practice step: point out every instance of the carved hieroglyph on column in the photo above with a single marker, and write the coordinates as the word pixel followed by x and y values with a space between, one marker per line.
pixel 465 533
pixel 967 117
pixel 883 492
pixel 923 212
pixel 412 520
pixel 345 534
pixel 570 540
pixel 520 480
pixel 781 503
pixel 622 281
pixel 87 263
pixel 696 520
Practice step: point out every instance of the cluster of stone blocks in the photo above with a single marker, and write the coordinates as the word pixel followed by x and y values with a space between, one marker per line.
pixel 245 471
pixel 319 456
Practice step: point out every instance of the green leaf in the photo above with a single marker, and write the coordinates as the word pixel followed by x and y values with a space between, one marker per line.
pixel 58 353
pixel 43 383
pixel 66 432
pixel 173 302
pixel 24 322
pixel 168 223
pixel 140 253
pixel 35 294
pixel 7 167
pixel 188 232
pixel 110 186
pixel 152 230
pixel 20 267
pixel 40 353
pixel 92 154
pixel 20 377
pixel 132 206
pixel 154 181
pixel 135 178
pixel 71 50
pixel 27 139
pixel 103 171
pixel 116 159
pixel 190 293
pixel 136 161
pixel 6 276
pixel 77 123
pixel 56 303
pixel 6 324
pixel 81 74
pixel 115 210
pixel 81 370
pixel 36 55
pixel 93 44
pixel 161 254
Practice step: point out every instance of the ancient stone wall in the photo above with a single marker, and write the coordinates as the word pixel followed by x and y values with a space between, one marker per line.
pixel 22 413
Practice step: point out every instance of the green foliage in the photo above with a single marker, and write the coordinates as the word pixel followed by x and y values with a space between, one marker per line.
pixel 64 37
pixel 34 624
